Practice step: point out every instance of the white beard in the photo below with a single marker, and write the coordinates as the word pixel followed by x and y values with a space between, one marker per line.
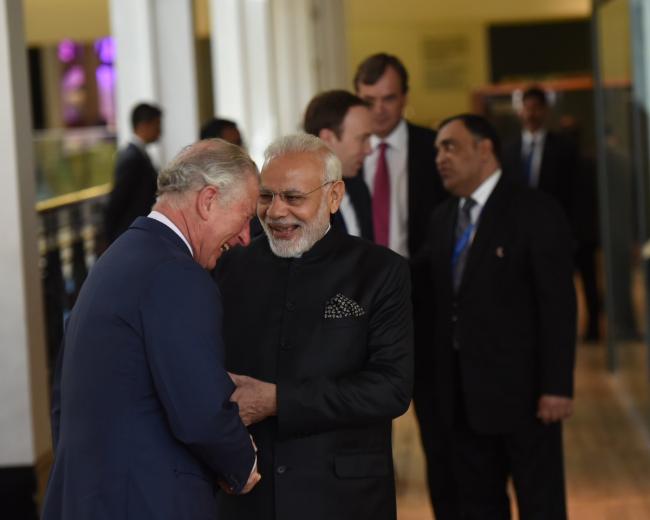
pixel 308 233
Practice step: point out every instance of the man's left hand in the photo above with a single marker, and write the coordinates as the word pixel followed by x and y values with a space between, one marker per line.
pixel 256 399
pixel 553 408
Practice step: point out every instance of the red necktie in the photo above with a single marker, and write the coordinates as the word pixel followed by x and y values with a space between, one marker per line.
pixel 381 198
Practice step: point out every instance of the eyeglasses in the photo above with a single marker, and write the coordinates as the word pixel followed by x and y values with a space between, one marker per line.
pixel 290 197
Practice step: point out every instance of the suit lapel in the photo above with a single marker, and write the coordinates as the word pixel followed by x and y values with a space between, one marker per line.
pixel 446 241
pixel 488 222
pixel 412 159
pixel 547 153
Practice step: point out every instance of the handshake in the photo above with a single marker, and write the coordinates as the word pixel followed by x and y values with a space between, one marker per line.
pixel 257 400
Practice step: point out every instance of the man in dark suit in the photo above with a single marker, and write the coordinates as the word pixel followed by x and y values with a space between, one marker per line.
pixel 502 351
pixel 401 169
pixel 342 120
pixel 142 422
pixel 134 184
pixel 318 333
pixel 541 158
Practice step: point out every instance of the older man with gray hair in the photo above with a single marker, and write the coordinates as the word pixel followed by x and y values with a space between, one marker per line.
pixel 142 422
pixel 318 331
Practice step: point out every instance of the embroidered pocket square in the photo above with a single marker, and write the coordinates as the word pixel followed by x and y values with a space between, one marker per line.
pixel 341 306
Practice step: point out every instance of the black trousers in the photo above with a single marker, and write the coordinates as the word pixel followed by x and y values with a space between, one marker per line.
pixel 482 463
pixel 436 440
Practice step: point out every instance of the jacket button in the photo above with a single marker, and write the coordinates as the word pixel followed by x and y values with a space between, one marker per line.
pixel 285 345
pixel 281 470
pixel 290 305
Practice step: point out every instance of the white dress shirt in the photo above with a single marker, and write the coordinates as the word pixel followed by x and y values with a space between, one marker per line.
pixel 397 162
pixel 480 197
pixel 526 141
pixel 350 216
pixel 156 215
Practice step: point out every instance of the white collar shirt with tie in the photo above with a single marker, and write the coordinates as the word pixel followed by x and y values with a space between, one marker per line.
pixel 480 197
pixel 397 162
pixel 539 138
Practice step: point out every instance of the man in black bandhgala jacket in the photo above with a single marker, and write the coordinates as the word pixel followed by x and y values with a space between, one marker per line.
pixel 319 341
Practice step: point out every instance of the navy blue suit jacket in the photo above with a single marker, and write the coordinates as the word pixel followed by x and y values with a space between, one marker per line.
pixel 142 422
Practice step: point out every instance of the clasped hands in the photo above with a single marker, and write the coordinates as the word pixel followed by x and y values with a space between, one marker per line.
pixel 256 401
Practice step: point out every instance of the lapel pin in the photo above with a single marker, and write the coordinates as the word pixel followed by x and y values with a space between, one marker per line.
pixel 500 252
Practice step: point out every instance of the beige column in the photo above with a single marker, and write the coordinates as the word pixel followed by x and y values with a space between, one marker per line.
pixel 24 417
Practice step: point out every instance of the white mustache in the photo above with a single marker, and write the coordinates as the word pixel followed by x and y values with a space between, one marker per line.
pixel 282 222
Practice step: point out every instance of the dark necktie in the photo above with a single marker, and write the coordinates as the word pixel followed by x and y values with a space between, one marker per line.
pixel 381 199
pixel 462 239
pixel 528 163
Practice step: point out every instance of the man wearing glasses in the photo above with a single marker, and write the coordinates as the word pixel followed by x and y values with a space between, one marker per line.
pixel 319 335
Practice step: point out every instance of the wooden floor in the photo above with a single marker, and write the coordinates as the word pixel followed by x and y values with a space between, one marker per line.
pixel 607 451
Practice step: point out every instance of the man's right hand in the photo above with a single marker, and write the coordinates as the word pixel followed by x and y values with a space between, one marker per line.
pixel 253 478
pixel 252 482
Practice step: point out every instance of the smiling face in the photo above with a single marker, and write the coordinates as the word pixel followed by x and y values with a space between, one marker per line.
pixel 225 225
pixel 387 101
pixel 295 224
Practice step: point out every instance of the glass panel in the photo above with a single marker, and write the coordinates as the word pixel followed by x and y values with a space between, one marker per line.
pixel 622 195
pixel 72 160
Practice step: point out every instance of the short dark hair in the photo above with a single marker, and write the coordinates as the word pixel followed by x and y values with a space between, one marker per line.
pixel 328 110
pixel 373 68
pixel 537 93
pixel 480 128
pixel 143 113
pixel 215 128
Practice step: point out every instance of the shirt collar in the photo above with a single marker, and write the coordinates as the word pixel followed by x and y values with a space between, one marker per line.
pixel 528 136
pixel 135 139
pixel 156 215
pixel 397 139
pixel 483 192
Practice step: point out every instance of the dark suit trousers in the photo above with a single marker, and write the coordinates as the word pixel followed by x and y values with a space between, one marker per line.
pixel 443 491
pixel 482 463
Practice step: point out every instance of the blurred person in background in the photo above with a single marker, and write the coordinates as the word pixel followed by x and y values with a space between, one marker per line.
pixel 134 182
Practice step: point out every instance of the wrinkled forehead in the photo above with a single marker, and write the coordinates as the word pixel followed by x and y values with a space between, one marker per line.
pixel 297 171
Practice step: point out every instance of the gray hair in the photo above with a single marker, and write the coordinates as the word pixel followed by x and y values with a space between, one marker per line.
pixel 210 162
pixel 306 143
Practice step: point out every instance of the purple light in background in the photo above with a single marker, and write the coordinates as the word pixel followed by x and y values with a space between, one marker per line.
pixel 105 75
pixel 74 78
pixel 67 51
pixel 105 49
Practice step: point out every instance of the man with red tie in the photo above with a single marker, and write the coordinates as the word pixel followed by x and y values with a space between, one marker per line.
pixel 401 170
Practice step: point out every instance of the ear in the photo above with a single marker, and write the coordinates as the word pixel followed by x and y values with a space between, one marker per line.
pixel 206 201
pixel 335 196
pixel 486 148
pixel 327 135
